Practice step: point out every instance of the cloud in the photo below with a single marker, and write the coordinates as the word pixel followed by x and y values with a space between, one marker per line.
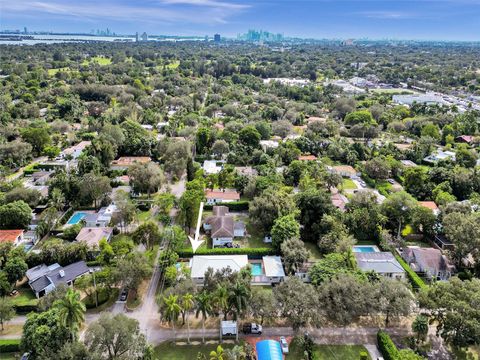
pixel 386 14
pixel 166 11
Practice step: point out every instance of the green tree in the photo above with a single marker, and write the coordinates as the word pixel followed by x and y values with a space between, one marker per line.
pixel 147 234
pixel 297 302
pixel 313 204
pixel 7 312
pixel 284 228
pixel 263 304
pixel 394 299
pixel 217 354
pixel 269 206
pixel 187 304
pixel 15 215
pixel 38 137
pixel 398 208
pixel 249 136
pixel 359 117
pixel 294 254
pixel 5 285
pixel 172 310
pixel 115 337
pixel 238 297
pixel 204 307
pixel 420 327
pixel 15 268
pixel 463 230
pixel 146 178
pixel 71 312
pixel 431 130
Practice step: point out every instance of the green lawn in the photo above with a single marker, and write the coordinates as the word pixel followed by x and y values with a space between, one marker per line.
pixel 329 352
pixel 256 237
pixel 24 297
pixel 314 252
pixel 173 65
pixel 168 350
pixel 100 60
pixel 348 184
pixel 52 72
pixel 143 216
pixel 10 356
pixel 392 91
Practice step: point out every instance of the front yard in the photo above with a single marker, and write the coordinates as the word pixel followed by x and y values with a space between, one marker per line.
pixel 329 352
pixel 168 350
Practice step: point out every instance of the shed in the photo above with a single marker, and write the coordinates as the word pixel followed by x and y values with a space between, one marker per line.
pixel 269 350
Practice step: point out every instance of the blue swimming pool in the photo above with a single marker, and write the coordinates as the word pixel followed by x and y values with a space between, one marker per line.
pixel 76 218
pixel 365 249
pixel 257 269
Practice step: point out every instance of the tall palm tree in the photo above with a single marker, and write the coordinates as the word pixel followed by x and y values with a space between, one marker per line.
pixel 71 311
pixel 217 354
pixel 172 310
pixel 187 305
pixel 204 307
pixel 221 300
pixel 238 298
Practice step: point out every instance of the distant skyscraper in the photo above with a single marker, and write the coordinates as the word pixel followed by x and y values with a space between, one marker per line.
pixel 136 36
pixel 25 30
pixel 144 37
pixel 216 38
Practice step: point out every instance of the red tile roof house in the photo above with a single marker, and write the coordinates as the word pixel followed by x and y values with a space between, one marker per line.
pixel 12 236
pixel 219 196
pixel 430 205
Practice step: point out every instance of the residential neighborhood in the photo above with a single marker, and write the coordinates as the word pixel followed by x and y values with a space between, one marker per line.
pixel 234 200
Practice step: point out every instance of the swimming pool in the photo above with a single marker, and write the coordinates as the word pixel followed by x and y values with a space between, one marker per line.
pixel 257 269
pixel 76 218
pixel 365 249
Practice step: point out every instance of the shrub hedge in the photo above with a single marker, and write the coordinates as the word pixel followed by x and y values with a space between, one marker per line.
pixel 252 252
pixel 9 345
pixel 386 346
pixel 415 280
pixel 234 205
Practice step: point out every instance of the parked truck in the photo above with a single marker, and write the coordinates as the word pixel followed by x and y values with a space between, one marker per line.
pixel 252 328
pixel 229 328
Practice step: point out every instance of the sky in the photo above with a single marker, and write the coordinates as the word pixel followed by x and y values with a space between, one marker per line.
pixel 339 19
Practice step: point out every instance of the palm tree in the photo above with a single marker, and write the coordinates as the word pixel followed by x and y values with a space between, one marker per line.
pixel 238 298
pixel 172 310
pixel 218 354
pixel 71 311
pixel 221 299
pixel 204 307
pixel 187 305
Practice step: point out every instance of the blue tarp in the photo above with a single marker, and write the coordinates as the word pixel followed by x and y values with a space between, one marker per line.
pixel 269 350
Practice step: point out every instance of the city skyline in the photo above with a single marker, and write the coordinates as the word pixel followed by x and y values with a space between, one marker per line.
pixel 423 20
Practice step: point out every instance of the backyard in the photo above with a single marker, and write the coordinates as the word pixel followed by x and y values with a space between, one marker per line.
pixel 329 352
pixel 168 350
pixel 348 184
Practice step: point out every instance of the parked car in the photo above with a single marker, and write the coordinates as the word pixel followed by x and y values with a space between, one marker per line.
pixel 25 356
pixel 252 328
pixel 124 295
pixel 284 344
pixel 391 181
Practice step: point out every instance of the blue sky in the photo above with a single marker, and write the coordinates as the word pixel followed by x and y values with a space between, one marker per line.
pixel 376 19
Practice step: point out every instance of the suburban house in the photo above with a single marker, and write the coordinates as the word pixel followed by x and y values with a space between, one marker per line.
pixel 222 227
pixel 383 263
pixel 273 269
pixel 44 279
pixel 100 219
pixel 92 235
pixel 408 163
pixel 438 156
pixel 75 151
pixel 199 264
pixel 246 171
pixel 218 196
pixel 267 271
pixel 430 205
pixel 428 261
pixel 124 162
pixel 339 200
pixel 466 139
pixel 11 236
pixel 345 171
pixel 211 167
pixel 269 144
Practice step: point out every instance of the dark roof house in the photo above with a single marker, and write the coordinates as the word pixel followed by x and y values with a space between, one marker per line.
pixel 44 279
pixel 429 261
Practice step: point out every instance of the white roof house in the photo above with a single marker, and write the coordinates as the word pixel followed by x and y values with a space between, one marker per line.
pixel 201 263
pixel 273 266
pixel 440 155
pixel 383 263
pixel 211 167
